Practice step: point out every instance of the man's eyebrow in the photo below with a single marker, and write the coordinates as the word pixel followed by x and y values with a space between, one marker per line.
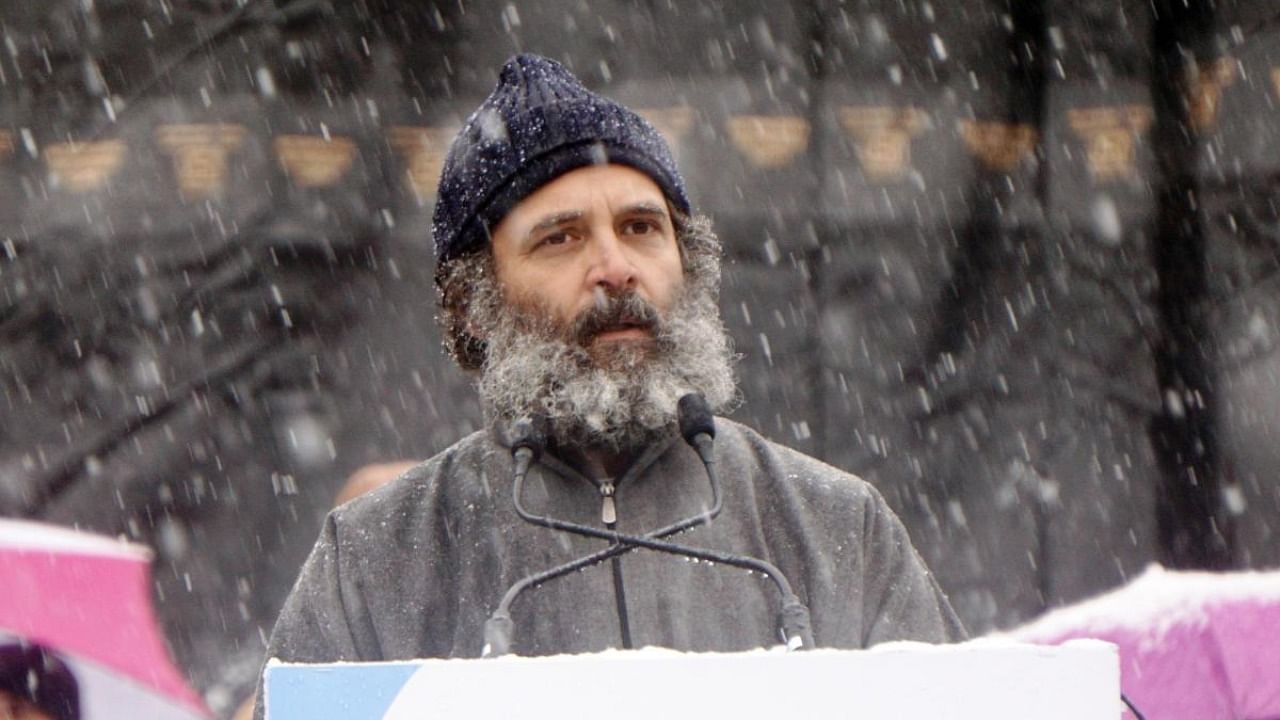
pixel 555 220
pixel 644 208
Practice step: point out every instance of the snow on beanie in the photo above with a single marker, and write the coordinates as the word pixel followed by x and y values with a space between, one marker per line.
pixel 538 123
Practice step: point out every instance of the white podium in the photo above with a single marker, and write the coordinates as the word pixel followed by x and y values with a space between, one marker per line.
pixel 986 679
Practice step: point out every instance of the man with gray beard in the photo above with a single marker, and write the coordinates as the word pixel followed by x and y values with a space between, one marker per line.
pixel 579 286
pixel 614 396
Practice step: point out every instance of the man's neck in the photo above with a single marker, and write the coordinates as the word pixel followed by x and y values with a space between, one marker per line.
pixel 597 462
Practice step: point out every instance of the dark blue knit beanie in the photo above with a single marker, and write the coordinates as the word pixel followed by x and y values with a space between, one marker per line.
pixel 537 124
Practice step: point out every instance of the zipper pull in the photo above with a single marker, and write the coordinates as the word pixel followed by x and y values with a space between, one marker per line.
pixel 608 509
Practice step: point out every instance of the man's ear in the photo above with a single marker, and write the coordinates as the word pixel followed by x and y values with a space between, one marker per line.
pixel 679 226
pixel 470 338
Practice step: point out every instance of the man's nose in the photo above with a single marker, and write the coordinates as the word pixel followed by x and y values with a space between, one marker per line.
pixel 612 264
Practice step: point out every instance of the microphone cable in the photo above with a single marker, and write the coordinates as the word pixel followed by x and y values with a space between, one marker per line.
pixel 698 429
pixel 1132 708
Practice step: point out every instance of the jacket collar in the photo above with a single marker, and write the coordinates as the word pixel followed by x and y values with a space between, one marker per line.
pixel 501 435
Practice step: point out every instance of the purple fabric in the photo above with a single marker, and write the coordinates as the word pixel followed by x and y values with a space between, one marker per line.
pixel 1247 636
pixel 1194 650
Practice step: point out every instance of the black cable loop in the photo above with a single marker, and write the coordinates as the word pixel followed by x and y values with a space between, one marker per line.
pixel 794 614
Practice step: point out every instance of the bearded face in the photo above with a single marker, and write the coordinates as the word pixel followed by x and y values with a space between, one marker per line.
pixel 618 394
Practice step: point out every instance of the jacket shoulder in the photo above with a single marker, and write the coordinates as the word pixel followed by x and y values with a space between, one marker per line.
pixel 741 443
pixel 455 471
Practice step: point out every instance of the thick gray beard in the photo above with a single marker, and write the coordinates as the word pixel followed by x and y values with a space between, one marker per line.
pixel 622 398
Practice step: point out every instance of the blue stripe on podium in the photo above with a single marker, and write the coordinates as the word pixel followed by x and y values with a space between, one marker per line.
pixel 309 692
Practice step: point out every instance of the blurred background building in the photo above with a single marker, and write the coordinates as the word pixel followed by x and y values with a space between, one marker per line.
pixel 1013 261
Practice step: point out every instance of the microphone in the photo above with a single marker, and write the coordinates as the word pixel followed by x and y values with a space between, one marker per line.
pixel 693 414
pixel 528 439
pixel 698 429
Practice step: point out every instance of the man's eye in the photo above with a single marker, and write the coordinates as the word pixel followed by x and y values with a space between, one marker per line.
pixel 558 238
pixel 640 227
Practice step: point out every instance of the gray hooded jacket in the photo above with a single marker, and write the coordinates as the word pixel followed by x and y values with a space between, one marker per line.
pixel 414 569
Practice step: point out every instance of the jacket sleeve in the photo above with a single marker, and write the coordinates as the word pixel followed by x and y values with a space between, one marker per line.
pixel 902 599
pixel 323 619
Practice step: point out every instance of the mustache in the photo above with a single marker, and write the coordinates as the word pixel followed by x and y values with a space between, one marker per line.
pixel 613 310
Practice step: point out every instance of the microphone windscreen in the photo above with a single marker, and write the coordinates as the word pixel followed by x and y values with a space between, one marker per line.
pixel 529 433
pixel 695 417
